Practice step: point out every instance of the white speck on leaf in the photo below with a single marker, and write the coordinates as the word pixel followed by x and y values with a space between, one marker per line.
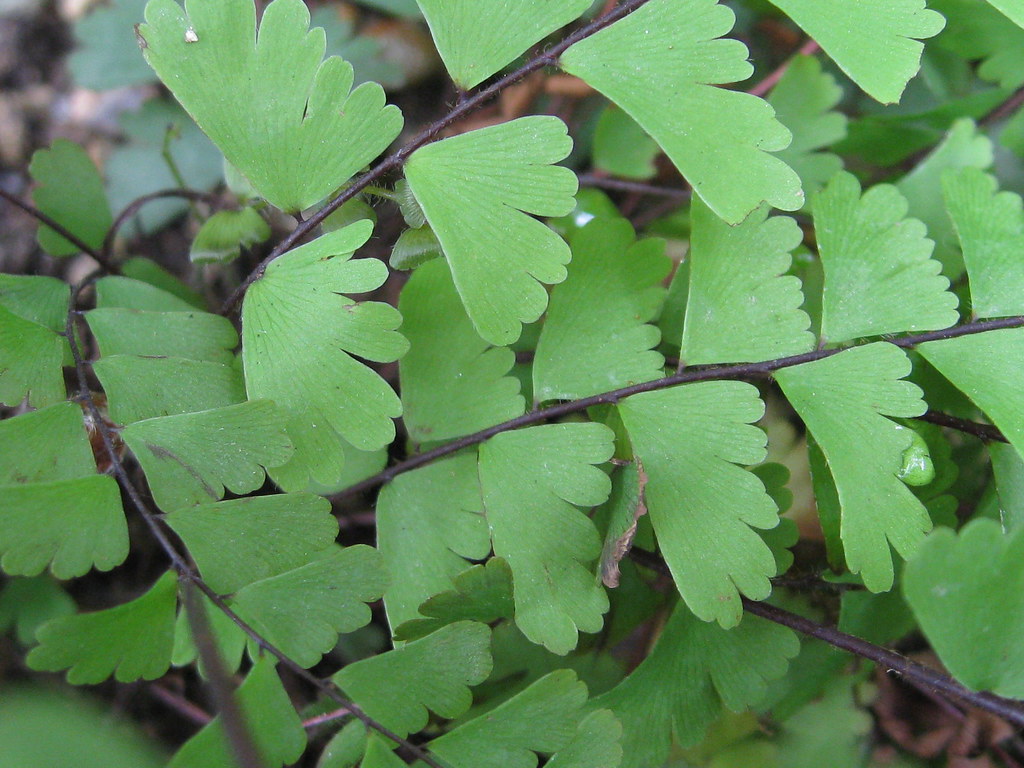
pixel 191 36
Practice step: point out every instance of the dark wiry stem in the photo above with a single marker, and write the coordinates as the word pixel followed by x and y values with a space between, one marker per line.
pixel 985 432
pixel 622 185
pixel 63 231
pixel 1009 710
pixel 394 161
pixel 136 205
pixel 187 574
pixel 686 376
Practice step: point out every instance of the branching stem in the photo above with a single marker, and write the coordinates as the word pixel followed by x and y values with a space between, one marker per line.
pixel 892 662
pixel 188 575
pixel 136 205
pixel 686 376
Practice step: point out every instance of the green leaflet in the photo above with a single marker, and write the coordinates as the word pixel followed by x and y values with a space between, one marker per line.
pixel 299 335
pixel 191 335
pixel 414 247
pixel 41 300
pixel 190 458
pixel 976 574
pixel 803 101
pixel 883 618
pixel 132 641
pixel 701 504
pixel 129 293
pixel 1012 9
pixel 596 335
pixel 269 717
pixel 429 522
pixel 224 234
pixel 695 669
pixel 86 213
pixel 660 64
pixel 106 53
pixel 355 742
pixel 844 400
pixel 481 593
pixel 90 735
pixel 147 271
pixel 829 731
pixel 28 603
pixel 979 31
pixel 379 754
pixel 237 542
pixel 30 362
pixel 879 274
pixel 963 147
pixel 141 388
pixel 532 481
pixel 1008 468
pixel 476 190
pixel 453 382
pixel 742 306
pixel 56 510
pixel 476 38
pixel 596 744
pixel 543 718
pixel 303 611
pixel 875 42
pixel 33 311
pixel 986 368
pixel 990 225
pixel 305 134
pixel 396 688
pixel 622 148
pixel 70 525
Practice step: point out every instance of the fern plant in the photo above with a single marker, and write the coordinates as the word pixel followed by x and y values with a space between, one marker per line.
pixel 582 540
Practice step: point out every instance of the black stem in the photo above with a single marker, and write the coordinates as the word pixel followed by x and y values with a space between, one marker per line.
pixel 136 205
pixel 1008 709
pixel 985 432
pixel 395 160
pixel 188 574
pixel 61 230
pixel 686 376
pixel 624 185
